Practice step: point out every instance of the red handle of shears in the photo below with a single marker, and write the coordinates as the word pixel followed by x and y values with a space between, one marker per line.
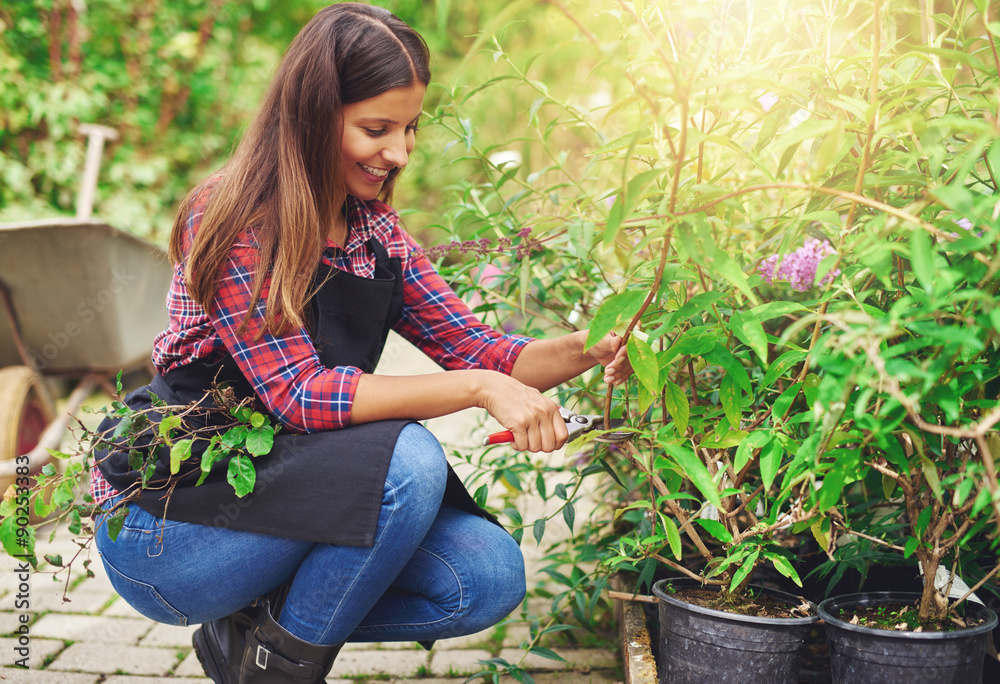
pixel 499 438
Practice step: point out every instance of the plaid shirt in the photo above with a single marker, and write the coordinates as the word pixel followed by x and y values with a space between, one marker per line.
pixel 285 370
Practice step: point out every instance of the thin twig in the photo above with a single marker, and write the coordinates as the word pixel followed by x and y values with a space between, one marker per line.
pixel 978 584
pixel 625 596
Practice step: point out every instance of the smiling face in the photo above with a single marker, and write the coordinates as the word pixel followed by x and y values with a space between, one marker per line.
pixel 379 134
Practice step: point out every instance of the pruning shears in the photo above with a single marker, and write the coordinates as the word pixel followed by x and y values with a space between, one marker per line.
pixel 576 424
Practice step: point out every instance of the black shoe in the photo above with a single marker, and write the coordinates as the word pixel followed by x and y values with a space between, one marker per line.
pixel 219 645
pixel 273 655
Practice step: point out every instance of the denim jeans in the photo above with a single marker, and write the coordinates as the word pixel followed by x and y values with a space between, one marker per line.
pixel 433 572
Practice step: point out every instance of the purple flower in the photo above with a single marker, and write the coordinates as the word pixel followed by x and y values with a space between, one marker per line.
pixel 484 246
pixel 799 267
pixel 767 100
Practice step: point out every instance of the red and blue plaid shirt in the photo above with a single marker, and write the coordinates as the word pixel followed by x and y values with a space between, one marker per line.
pixel 285 370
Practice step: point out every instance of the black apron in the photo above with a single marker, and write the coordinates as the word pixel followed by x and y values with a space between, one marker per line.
pixel 323 487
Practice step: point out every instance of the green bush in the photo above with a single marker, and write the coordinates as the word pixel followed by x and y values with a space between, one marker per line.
pixel 792 215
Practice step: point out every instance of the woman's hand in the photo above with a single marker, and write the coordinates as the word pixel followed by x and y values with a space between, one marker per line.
pixel 532 417
pixel 611 353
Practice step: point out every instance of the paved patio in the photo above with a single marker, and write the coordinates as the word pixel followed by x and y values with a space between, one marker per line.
pixel 95 637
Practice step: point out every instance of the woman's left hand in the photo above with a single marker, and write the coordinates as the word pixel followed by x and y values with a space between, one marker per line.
pixel 611 353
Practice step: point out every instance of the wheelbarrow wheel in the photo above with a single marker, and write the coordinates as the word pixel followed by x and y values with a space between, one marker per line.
pixel 24 414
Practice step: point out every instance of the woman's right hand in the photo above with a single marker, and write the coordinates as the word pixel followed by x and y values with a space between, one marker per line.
pixel 532 417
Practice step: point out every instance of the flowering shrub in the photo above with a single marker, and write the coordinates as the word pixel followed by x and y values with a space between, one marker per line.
pixel 799 268
pixel 762 204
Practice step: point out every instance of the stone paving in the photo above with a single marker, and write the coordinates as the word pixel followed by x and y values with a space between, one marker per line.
pixel 94 637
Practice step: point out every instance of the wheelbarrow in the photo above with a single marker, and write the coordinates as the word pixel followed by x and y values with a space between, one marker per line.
pixel 80 300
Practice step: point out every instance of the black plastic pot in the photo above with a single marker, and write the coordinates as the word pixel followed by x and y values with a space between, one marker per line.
pixel 865 655
pixel 701 645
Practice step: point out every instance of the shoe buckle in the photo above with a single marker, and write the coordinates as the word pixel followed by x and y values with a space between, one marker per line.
pixel 266 653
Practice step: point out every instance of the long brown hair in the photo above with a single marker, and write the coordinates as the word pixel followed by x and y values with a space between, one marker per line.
pixel 284 177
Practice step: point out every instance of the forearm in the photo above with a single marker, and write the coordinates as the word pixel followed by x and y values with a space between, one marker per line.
pixel 532 417
pixel 543 364
pixel 418 397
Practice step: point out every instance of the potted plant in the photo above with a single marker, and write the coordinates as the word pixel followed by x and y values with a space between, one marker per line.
pixel 751 182
pixel 907 408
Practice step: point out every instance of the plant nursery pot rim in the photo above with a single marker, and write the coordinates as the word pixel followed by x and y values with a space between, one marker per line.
pixel 876 597
pixel 713 612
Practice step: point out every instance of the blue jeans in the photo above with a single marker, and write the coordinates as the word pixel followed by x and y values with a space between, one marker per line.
pixel 433 572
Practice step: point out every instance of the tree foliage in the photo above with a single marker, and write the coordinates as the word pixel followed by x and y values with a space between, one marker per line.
pixel 177 79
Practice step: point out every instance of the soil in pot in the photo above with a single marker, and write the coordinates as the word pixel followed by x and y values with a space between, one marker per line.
pixel 868 655
pixel 699 644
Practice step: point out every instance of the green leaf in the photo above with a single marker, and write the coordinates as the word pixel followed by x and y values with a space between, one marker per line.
pixel 257 419
pixel 958 198
pixel 820 534
pixel 611 471
pixel 696 472
pixel 784 401
pixel 923 520
pixel 512 479
pixel 694 342
pixel 547 653
pixel 745 569
pixel 726 266
pixel 731 399
pixel 673 537
pixel 911 545
pixel 888 485
pixel 42 509
pixel 782 364
pixel 514 515
pixel 750 332
pixel 116 522
pixel 260 440
pixel 541 487
pixel 235 437
pixel 922 259
pixel 180 451
pixel 538 529
pixel 210 455
pixel 770 461
pixel 770 310
pixel 615 217
pixel 782 565
pixel 716 529
pixel 644 363
pixel 16 539
pixel 241 475
pixel 697 304
pixel 123 427
pixel 481 495
pixel 617 310
pixel 753 441
pixel 931 475
pixel 810 387
pixel 167 424
pixel 726 440
pixel 569 515
pixel 722 357
pixel 833 486
pixel 829 152
pixel 677 406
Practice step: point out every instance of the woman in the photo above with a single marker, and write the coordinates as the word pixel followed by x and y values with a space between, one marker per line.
pixel 290 272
